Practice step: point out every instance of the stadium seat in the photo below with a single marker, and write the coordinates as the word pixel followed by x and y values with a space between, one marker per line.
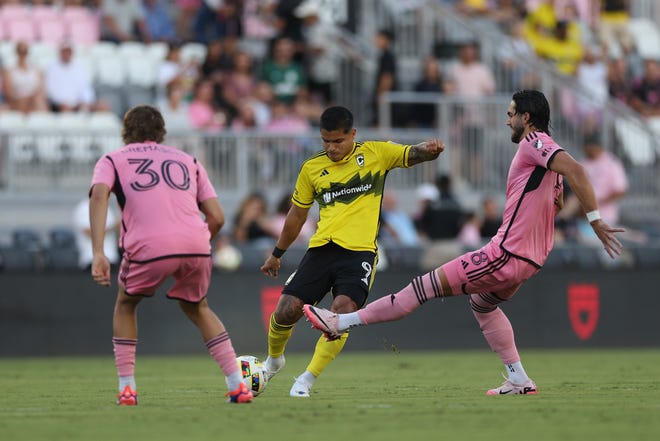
pixel 51 31
pixel 193 52
pixel 47 136
pixel 636 141
pixel 84 31
pixel 62 252
pixel 45 12
pixel 103 50
pixel 43 54
pixel 7 52
pixel 131 49
pixel 106 128
pixel 76 139
pixel 21 29
pixel 13 11
pixel 21 148
pixel 646 35
pixel 157 51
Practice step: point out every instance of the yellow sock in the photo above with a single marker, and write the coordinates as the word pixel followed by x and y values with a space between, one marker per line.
pixel 278 336
pixel 325 352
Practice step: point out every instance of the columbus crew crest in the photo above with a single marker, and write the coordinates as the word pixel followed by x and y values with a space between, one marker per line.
pixel 360 160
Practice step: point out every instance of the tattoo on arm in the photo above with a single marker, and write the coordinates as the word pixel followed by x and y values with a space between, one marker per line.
pixel 419 153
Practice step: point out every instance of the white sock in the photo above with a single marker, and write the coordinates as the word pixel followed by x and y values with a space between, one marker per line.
pixel 348 320
pixel 307 377
pixel 517 374
pixel 274 363
pixel 234 380
pixel 127 381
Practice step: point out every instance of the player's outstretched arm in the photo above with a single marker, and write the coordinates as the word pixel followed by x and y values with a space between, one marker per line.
pixel 425 151
pixel 295 219
pixel 564 164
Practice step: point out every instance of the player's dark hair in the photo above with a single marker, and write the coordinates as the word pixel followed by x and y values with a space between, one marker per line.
pixel 534 103
pixel 337 118
pixel 143 123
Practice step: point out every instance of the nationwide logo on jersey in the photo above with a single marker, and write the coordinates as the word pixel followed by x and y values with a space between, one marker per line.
pixel 359 158
pixel 349 191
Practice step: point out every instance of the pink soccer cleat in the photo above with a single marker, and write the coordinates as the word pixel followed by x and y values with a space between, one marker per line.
pixel 323 320
pixel 508 388
pixel 127 397
pixel 240 395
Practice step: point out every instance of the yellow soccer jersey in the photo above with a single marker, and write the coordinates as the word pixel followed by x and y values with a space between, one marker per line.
pixel 348 192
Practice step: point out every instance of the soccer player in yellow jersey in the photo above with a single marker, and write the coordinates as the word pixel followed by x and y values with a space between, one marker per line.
pixel 346 179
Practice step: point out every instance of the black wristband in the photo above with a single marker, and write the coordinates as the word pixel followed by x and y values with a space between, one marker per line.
pixel 278 252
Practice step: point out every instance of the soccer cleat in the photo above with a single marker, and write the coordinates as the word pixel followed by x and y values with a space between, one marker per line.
pixel 127 397
pixel 323 320
pixel 272 367
pixel 241 395
pixel 508 388
pixel 300 389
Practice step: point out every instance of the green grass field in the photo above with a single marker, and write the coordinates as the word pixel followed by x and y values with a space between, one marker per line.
pixel 583 395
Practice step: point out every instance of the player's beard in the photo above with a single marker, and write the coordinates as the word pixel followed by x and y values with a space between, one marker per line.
pixel 516 134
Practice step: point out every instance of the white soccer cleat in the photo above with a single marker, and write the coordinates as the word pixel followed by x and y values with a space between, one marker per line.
pixel 300 389
pixel 323 320
pixel 273 365
pixel 508 388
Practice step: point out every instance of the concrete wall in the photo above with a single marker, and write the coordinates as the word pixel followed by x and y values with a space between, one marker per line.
pixel 60 313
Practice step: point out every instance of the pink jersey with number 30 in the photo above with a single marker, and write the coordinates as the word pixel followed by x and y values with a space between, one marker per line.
pixel 527 229
pixel 159 190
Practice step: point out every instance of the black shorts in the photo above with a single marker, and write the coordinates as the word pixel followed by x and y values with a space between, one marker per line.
pixel 331 268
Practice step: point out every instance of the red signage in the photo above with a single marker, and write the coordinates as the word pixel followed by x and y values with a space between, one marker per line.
pixel 269 297
pixel 583 308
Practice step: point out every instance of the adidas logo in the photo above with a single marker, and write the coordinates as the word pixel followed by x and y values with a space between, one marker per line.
pixel 464 263
pixel 325 172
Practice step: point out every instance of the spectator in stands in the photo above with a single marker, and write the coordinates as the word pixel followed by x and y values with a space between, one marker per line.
pixel 23 84
pixel 68 86
pixel 469 235
pixel 386 74
pixel 618 79
pixel 218 19
pixel 174 108
pixel 239 83
pixel 397 227
pixel 613 25
pixel 219 59
pixel 608 177
pixel 432 81
pixel 173 69
pixel 158 21
pixel 204 114
pixel 252 224
pixel 83 235
pixel 442 217
pixel 645 96
pixel 470 78
pixel 321 51
pixel 287 24
pixel 491 218
pixel 123 20
pixel 187 9
pixel 591 76
pixel 425 194
pixel 564 49
pixel 284 74
pixel 511 54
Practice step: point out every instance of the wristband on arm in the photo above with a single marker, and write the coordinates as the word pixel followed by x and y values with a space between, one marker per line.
pixel 593 216
pixel 278 252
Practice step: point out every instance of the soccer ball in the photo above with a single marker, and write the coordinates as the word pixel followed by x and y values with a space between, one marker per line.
pixel 253 372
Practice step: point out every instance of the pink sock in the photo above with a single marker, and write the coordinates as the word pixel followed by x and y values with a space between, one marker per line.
pixel 125 355
pixel 222 351
pixel 498 331
pixel 399 305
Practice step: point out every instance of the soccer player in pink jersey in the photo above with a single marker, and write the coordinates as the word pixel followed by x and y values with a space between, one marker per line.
pixel 492 275
pixel 160 191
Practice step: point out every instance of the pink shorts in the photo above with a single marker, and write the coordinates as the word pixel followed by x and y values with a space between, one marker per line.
pixel 489 269
pixel 192 277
